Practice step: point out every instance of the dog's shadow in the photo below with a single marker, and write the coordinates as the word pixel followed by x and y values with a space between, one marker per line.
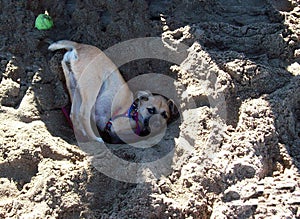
pixel 148 153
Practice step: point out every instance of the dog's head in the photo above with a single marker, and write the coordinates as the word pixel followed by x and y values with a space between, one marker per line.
pixel 154 110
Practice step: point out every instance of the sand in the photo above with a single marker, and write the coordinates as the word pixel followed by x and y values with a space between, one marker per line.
pixel 234 151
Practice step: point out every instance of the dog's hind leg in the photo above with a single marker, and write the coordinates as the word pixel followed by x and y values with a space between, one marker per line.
pixel 69 79
pixel 85 116
pixel 83 105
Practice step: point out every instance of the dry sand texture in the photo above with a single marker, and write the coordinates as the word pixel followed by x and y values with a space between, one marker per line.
pixel 243 165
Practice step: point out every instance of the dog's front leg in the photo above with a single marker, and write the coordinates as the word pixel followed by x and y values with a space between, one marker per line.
pixel 126 136
pixel 122 128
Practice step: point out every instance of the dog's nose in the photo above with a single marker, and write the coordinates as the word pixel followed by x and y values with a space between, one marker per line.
pixel 156 123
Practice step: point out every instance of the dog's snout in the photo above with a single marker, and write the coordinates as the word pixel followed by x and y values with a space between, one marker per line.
pixel 156 122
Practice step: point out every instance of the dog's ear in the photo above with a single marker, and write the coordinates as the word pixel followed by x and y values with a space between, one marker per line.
pixel 173 109
pixel 143 95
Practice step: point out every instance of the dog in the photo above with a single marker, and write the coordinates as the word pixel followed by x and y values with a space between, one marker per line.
pixel 100 96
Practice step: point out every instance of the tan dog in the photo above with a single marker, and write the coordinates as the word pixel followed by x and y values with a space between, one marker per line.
pixel 95 83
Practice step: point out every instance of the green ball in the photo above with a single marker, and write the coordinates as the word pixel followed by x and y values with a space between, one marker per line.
pixel 43 22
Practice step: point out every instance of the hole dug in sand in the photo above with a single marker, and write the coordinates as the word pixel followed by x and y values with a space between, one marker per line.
pixel 20 171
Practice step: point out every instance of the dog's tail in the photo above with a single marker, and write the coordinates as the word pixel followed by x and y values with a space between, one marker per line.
pixel 63 44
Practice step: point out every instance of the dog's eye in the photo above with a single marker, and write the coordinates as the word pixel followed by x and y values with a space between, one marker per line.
pixel 144 98
pixel 151 110
pixel 164 114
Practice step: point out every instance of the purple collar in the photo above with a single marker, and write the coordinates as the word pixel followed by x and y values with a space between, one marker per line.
pixel 132 113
